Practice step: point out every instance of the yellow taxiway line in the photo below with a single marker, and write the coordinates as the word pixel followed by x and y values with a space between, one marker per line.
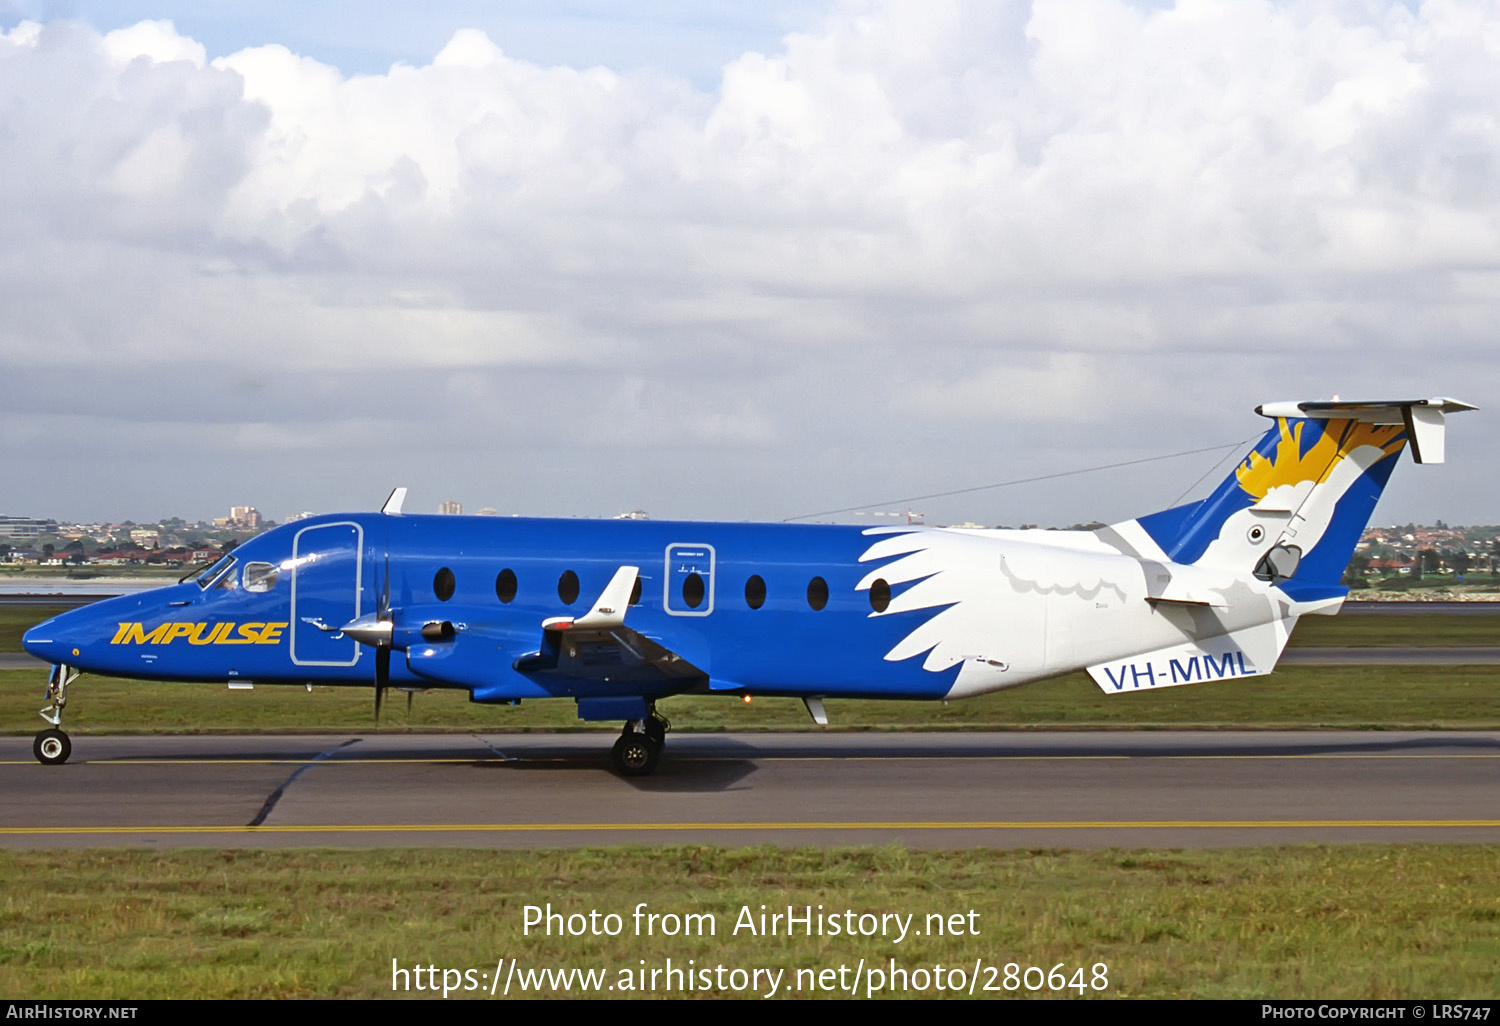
pixel 513 828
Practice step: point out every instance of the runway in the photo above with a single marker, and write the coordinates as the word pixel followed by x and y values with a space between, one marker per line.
pixel 932 790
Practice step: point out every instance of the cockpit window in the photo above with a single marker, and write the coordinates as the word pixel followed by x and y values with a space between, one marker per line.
pixel 260 576
pixel 220 575
pixel 197 574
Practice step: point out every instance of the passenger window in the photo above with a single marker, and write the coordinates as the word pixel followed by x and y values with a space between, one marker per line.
pixel 817 593
pixel 755 591
pixel 260 576
pixel 567 587
pixel 505 586
pixel 880 595
pixel 443 584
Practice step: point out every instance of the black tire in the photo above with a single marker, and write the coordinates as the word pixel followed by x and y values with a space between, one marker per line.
pixel 635 755
pixel 51 748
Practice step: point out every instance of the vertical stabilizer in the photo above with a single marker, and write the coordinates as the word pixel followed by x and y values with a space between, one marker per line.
pixel 1294 507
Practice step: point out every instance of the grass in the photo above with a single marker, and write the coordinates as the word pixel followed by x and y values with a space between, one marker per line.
pixel 1433 630
pixel 1376 922
pixel 1308 696
pixel 1434 585
pixel 17 620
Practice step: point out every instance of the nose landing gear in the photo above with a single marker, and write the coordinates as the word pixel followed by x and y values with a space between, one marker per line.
pixel 52 747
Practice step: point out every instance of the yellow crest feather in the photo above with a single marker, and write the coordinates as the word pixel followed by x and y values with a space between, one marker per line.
pixel 1289 465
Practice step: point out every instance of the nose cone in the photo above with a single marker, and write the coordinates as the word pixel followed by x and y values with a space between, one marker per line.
pixel 48 640
pixel 80 637
pixel 87 637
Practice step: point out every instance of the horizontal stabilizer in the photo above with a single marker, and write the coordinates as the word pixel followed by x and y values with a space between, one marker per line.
pixel 1186 599
pixel 1188 586
pixel 1249 652
pixel 1423 418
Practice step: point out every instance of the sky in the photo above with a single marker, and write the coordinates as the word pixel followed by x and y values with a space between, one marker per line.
pixel 733 261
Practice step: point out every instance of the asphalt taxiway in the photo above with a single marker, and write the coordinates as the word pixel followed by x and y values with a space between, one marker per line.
pixel 1014 789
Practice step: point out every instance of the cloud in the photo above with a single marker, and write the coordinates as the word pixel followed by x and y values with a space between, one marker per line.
pixel 902 225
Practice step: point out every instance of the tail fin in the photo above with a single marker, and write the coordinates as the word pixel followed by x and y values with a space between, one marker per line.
pixel 1294 508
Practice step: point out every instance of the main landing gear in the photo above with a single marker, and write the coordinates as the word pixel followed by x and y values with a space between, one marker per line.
pixel 640 745
pixel 52 747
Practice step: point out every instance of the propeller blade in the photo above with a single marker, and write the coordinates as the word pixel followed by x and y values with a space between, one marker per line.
pixel 382 677
pixel 383 616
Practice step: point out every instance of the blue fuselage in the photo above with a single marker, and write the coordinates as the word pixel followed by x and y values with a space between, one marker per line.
pixel 752 608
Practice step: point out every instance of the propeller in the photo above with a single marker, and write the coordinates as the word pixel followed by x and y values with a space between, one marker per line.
pixel 375 629
pixel 383 652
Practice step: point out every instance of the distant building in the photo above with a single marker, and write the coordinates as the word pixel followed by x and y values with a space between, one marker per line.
pixel 489 511
pixel 244 518
pixel 25 527
pixel 451 507
pixel 300 516
pixel 635 514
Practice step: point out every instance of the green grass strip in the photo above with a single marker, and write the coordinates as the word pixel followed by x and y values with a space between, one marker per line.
pixel 1285 922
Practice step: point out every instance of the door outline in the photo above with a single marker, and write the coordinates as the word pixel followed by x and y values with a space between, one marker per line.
pixel 359 565
pixel 671 580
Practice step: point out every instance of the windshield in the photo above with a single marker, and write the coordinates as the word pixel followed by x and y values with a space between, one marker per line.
pixel 215 574
pixel 195 572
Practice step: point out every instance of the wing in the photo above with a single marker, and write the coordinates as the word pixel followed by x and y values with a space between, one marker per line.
pixel 598 645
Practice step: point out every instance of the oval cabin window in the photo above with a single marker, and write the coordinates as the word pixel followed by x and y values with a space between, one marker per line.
pixel 755 592
pixel 692 591
pixel 567 587
pixel 817 593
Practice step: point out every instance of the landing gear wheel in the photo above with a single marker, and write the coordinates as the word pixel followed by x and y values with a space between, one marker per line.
pixel 51 747
pixel 635 755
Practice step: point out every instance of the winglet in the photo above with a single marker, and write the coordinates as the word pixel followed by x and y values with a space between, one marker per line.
pixel 394 503
pixel 609 610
